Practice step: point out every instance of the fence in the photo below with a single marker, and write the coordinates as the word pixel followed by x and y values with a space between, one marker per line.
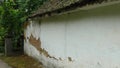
pixel 2 49
pixel 8 48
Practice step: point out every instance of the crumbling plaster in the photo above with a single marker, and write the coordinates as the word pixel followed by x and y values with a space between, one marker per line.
pixel 82 39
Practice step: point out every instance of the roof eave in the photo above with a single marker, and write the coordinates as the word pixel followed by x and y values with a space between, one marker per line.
pixel 69 10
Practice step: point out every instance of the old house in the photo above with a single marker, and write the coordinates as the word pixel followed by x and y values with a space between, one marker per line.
pixel 75 34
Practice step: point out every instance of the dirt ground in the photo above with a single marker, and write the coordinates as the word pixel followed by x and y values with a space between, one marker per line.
pixel 22 61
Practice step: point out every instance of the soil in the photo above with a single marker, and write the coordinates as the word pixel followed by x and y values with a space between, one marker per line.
pixel 22 61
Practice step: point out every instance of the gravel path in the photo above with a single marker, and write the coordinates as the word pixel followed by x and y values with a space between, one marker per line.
pixel 4 65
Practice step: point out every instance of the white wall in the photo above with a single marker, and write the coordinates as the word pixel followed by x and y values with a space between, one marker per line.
pixel 91 38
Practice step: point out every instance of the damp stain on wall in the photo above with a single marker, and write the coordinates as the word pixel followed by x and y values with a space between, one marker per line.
pixel 26 24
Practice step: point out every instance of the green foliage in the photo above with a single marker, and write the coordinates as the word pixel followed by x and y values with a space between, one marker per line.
pixel 2 32
pixel 33 5
pixel 13 14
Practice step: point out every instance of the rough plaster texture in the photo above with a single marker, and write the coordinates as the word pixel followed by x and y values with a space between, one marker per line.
pixel 90 39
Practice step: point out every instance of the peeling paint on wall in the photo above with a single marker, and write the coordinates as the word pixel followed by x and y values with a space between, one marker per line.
pixel 81 39
pixel 26 24
pixel 70 59
pixel 37 44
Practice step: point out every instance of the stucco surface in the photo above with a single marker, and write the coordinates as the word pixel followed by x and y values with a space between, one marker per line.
pixel 90 38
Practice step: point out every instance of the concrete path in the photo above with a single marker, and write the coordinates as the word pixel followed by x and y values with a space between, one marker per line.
pixel 4 65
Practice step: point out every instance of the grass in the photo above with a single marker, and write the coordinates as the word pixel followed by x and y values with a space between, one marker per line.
pixel 22 61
